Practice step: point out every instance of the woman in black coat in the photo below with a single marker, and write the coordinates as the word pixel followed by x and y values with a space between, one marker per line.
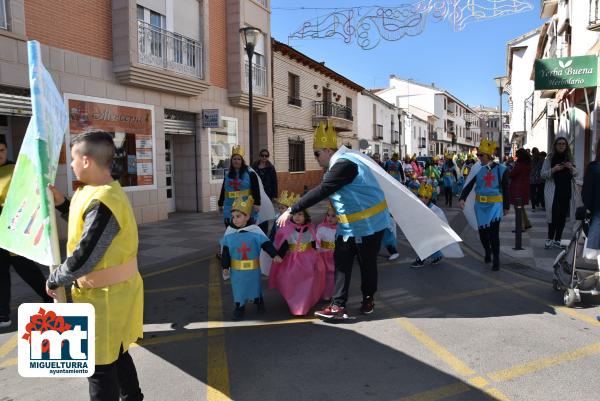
pixel 266 171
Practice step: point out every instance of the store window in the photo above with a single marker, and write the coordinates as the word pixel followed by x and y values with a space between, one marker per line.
pixel 132 128
pixel 221 141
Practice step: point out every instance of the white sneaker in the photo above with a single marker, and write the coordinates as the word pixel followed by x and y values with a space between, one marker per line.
pixel 556 244
pixel 394 256
pixel 548 244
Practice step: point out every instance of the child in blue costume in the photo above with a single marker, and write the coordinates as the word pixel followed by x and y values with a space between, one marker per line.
pixel 491 185
pixel 425 194
pixel 241 258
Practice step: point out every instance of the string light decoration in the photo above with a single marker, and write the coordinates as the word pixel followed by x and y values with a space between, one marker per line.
pixel 369 25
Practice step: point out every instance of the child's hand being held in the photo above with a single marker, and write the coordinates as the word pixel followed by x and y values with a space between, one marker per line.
pixel 277 259
pixel 226 274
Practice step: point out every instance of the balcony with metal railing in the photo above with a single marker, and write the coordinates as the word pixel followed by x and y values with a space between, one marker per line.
pixel 377 131
pixel 160 48
pixel 259 79
pixel 340 115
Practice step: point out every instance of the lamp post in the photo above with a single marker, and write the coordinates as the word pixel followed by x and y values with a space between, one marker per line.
pixel 250 36
pixel 501 84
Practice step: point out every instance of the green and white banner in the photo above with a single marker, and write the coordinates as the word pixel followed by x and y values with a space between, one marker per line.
pixel 566 72
pixel 27 222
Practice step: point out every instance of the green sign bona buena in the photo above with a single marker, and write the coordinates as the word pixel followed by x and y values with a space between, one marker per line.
pixel 566 72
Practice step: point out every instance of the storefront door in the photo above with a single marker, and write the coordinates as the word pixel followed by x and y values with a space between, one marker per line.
pixel 170 172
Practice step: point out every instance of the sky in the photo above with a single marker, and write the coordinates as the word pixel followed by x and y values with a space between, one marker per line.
pixel 461 62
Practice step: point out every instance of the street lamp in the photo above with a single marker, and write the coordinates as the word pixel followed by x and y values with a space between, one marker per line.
pixel 250 36
pixel 501 84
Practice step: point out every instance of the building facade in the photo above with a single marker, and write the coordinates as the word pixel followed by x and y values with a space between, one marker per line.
pixel 306 93
pixel 572 29
pixel 451 123
pixel 520 60
pixel 168 79
pixel 377 125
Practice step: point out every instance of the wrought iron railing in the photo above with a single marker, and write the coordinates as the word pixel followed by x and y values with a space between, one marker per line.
pixel 164 49
pixel 594 18
pixel 259 79
pixel 331 109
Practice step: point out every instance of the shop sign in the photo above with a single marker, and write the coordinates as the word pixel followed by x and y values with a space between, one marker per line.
pixel 210 118
pixel 132 128
pixel 566 72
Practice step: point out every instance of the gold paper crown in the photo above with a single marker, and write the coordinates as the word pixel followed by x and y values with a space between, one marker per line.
pixel 426 191
pixel 237 150
pixel 487 147
pixel 448 156
pixel 288 200
pixel 243 204
pixel 325 137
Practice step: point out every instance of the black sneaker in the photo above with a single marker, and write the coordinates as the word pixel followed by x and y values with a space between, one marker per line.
pixel 496 265
pixel 437 260
pixel 417 263
pixel 260 305
pixel 5 321
pixel 238 313
pixel 368 306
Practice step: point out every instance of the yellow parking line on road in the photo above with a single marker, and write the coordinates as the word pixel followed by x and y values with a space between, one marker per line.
pixel 167 289
pixel 217 380
pixel 451 360
pixel 8 346
pixel 544 363
pixel 8 362
pixel 456 364
pixel 176 267
pixel 439 393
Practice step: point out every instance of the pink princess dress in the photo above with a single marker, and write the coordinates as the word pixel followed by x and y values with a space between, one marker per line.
pixel 326 247
pixel 300 277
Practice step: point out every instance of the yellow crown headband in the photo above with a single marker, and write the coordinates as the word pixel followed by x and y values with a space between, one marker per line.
pixel 243 204
pixel 426 191
pixel 325 137
pixel 288 200
pixel 237 150
pixel 488 147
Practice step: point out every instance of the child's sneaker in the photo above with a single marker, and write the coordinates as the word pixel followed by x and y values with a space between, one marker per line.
pixel 332 312
pixel 238 313
pixel 367 306
pixel 548 244
pixel 437 260
pixel 418 263
pixel 394 256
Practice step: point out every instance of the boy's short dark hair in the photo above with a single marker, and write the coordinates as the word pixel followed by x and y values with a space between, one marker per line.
pixel 3 141
pixel 98 145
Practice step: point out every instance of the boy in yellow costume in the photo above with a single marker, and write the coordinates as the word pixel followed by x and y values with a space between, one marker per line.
pixel 102 265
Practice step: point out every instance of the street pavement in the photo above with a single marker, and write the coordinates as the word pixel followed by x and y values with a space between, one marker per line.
pixel 454 331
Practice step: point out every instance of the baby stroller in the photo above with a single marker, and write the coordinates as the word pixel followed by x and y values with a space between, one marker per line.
pixel 572 273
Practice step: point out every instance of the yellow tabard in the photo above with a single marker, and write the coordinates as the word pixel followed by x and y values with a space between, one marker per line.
pixel 119 307
pixel 6 172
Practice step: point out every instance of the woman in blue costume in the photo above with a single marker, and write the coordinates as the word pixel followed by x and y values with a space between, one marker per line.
pixel 491 185
pixel 239 181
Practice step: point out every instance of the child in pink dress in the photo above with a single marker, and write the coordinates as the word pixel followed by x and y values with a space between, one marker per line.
pixel 326 246
pixel 300 277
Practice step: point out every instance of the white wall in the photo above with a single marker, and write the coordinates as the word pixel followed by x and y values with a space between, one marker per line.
pixel 383 116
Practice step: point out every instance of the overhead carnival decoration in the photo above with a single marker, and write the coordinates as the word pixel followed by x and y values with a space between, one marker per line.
pixel 369 25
